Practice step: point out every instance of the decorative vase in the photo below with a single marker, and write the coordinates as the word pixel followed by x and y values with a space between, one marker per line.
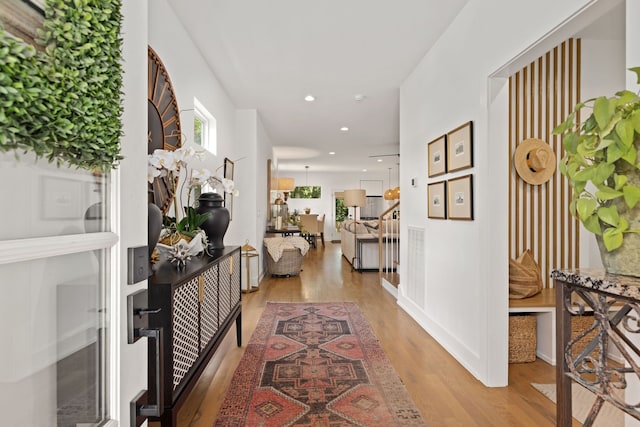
pixel 215 226
pixel 154 226
pixel 626 259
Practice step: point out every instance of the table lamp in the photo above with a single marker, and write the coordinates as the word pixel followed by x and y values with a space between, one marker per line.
pixel 355 199
pixel 286 185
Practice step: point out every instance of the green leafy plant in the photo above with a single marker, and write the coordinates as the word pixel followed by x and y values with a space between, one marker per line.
pixel 64 103
pixel 294 218
pixel 190 224
pixel 601 158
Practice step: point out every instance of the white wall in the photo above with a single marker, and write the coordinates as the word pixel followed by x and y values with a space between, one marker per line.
pixel 240 135
pixel 251 169
pixel 466 262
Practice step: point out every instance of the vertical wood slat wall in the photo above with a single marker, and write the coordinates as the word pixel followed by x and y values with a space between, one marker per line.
pixel 541 95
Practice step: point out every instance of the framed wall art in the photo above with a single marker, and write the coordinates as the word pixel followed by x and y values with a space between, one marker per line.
pixel 228 197
pixel 460 197
pixel 460 148
pixel 437 200
pixel 437 152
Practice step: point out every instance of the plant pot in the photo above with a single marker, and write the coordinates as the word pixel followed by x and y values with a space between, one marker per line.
pixel 215 226
pixel 626 259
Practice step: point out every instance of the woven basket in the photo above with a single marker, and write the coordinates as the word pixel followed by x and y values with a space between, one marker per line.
pixel 579 324
pixel 289 263
pixel 522 338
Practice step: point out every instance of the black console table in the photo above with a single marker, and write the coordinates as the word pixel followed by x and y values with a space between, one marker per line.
pixel 614 301
pixel 199 304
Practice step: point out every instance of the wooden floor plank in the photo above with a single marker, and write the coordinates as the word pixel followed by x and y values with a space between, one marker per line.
pixel 445 392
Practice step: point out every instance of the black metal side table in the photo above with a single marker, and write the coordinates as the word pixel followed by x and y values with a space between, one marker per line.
pixel 615 302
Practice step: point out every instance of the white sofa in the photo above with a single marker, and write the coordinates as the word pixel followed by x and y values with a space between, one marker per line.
pixel 366 243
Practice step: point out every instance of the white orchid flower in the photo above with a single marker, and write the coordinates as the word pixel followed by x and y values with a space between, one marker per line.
pixel 152 173
pixel 228 185
pixel 154 161
pixel 200 176
pixel 184 154
pixel 167 159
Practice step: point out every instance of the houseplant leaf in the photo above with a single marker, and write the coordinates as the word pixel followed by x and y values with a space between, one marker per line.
pixel 635 119
pixel 609 215
pixel 592 223
pixel 602 112
pixel 607 193
pixel 637 71
pixel 585 208
pixel 619 180
pixel 631 195
pixel 612 238
pixel 625 131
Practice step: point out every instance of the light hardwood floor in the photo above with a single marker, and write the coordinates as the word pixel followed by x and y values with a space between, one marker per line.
pixel 445 393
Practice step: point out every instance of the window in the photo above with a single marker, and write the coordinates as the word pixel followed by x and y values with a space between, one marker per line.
pixel 204 127
pixel 58 295
pixel 306 192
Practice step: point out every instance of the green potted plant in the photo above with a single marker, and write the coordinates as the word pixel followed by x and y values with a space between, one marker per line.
pixel 601 164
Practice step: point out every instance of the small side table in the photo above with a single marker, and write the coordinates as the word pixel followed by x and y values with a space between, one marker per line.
pixel 578 291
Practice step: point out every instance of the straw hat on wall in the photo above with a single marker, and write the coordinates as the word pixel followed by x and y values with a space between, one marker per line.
pixel 535 161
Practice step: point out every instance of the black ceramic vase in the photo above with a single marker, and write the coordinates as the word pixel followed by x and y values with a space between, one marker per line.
pixel 154 226
pixel 215 226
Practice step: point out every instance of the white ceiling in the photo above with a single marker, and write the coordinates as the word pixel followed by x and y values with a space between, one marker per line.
pixel 270 54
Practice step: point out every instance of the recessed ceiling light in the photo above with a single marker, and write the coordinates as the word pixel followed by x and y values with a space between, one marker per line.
pixel 309 98
pixel 344 129
pixel 364 170
pixel 359 97
pixel 332 153
pixel 379 160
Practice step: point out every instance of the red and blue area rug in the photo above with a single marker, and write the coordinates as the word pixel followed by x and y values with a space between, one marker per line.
pixel 316 364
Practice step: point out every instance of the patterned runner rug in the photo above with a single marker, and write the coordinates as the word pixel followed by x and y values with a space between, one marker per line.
pixel 316 364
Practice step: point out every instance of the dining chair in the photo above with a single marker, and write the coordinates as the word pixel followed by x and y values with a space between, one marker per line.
pixel 321 228
pixel 309 227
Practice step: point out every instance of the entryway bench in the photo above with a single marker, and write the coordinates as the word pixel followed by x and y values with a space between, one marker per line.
pixel 543 306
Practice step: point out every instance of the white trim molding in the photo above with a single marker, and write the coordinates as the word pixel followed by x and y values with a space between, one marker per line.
pixel 44 247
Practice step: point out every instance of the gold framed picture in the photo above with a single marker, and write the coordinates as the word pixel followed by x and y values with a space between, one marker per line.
pixel 460 198
pixel 437 200
pixel 460 147
pixel 437 152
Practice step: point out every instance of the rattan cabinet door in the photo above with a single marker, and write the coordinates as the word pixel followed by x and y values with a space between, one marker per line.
pixel 210 322
pixel 234 277
pixel 185 337
pixel 224 286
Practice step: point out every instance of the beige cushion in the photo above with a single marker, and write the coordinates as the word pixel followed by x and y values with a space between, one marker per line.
pixel 359 227
pixel 525 279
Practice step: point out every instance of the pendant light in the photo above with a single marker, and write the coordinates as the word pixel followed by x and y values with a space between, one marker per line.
pixel 390 193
